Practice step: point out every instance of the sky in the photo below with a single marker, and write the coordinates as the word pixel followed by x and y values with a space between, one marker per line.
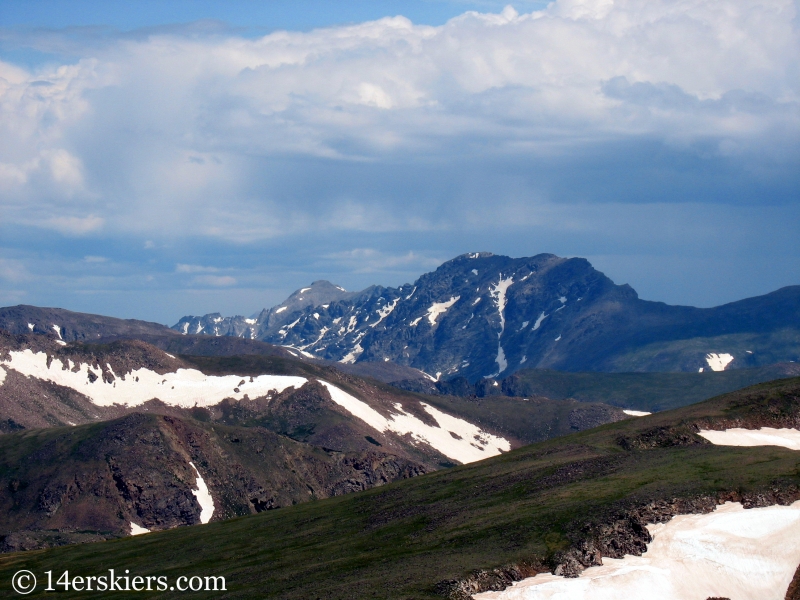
pixel 160 159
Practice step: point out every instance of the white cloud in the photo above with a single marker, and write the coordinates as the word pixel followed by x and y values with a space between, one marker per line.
pixel 182 135
pixel 214 280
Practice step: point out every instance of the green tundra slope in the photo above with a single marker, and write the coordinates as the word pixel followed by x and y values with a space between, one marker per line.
pixel 558 503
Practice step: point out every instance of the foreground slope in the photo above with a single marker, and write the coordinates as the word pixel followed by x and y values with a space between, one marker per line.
pixel 560 504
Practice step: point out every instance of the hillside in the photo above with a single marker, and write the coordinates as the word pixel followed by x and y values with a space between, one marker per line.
pixel 559 504
pixel 481 315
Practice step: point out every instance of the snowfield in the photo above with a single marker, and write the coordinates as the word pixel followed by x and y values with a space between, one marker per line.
pixel 185 387
pixel 457 439
pixel 471 443
pixel 766 436
pixel 730 553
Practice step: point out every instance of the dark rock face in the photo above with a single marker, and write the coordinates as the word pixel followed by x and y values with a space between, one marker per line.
pixel 481 315
pixel 70 485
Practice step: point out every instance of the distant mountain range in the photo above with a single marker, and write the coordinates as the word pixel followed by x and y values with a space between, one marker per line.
pixel 481 315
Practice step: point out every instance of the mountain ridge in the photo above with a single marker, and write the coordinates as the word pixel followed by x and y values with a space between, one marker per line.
pixel 483 315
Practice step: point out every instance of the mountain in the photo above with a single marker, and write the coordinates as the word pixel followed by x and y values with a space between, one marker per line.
pixel 481 315
pixel 101 439
pixel 652 392
pixel 556 506
pixel 70 326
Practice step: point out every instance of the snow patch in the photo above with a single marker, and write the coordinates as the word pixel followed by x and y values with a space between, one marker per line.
pixel 636 413
pixel 524 325
pixel 475 271
pixel 30 326
pixel 304 290
pixel 524 359
pixel 563 299
pixel 385 311
pixel 351 356
pixel 478 299
pixel 168 354
pixel 185 387
pixel 498 292
pixel 766 436
pixel 58 331
pixel 251 321
pixel 718 362
pixel 136 530
pixel 539 320
pixel 475 444
pixel 559 337
pixel 412 293
pixel 61 342
pixel 185 328
pixel 439 308
pixel 203 496
pixel 281 309
pixel 731 553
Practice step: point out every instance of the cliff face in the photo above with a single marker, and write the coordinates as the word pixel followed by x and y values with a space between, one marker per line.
pixel 65 485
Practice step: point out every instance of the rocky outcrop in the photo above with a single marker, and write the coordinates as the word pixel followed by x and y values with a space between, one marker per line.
pixel 622 533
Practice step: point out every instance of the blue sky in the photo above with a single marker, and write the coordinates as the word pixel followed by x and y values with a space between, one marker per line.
pixel 167 158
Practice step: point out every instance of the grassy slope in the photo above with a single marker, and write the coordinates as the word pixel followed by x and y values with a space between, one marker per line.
pixel 640 391
pixel 398 541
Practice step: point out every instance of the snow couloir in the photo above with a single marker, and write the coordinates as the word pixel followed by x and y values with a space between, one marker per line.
pixel 456 438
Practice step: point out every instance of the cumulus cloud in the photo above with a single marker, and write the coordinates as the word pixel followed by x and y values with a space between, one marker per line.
pixel 181 124
pixel 369 135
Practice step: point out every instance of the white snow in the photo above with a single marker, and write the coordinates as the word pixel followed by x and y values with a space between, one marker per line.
pixel 700 370
pixel 498 292
pixel 474 443
pixel 718 362
pixel 316 316
pixel 478 299
pixel 30 326
pixel 500 359
pixel 475 271
pixel 414 322
pixel 281 309
pixel 385 311
pixel 136 530
pixel 325 306
pixel 251 321
pixel 636 413
pixel 61 342
pixel 2 375
pixel 563 299
pixel 524 358
pixel 730 553
pixel 57 330
pixel 749 351
pixel 340 288
pixel 412 293
pixel 766 436
pixel 185 387
pixel 168 354
pixel 539 320
pixel 524 325
pixel 351 356
pixel 217 319
pixel 559 337
pixel 204 498
pixel 305 290
pixel 199 328
pixel 185 328
pixel 439 308
pixel 352 324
